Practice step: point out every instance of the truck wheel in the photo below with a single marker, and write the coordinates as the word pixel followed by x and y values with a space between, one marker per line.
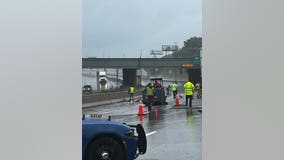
pixel 105 148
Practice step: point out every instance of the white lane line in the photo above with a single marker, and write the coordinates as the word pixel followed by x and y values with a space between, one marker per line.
pixel 148 134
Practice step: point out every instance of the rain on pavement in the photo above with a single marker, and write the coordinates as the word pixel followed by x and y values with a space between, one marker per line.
pixel 173 132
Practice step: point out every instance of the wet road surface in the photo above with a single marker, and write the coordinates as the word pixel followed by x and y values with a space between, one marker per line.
pixel 173 133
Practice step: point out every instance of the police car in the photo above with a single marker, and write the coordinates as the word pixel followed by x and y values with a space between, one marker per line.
pixel 110 140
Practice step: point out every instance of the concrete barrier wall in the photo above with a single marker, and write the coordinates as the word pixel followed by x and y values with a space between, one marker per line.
pixel 107 96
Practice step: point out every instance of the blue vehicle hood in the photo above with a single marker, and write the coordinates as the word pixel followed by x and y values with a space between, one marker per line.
pixel 98 121
pixel 97 126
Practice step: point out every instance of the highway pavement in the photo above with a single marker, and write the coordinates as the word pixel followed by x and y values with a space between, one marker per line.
pixel 173 132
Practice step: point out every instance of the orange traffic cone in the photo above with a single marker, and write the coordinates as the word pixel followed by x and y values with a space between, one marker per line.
pixel 177 101
pixel 141 118
pixel 140 110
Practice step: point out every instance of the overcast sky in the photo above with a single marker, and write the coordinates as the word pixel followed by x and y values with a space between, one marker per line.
pixel 127 28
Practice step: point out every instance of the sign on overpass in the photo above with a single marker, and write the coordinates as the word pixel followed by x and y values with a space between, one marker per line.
pixel 137 62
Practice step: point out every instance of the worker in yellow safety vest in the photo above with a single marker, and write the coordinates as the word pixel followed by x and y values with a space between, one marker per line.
pixel 174 89
pixel 198 90
pixel 131 92
pixel 150 93
pixel 197 86
pixel 188 91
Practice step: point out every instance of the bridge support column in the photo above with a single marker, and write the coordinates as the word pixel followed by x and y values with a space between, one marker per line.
pixel 195 75
pixel 129 77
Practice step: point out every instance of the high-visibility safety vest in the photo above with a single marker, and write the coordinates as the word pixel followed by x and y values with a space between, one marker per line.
pixel 188 88
pixel 174 87
pixel 131 89
pixel 197 86
pixel 149 91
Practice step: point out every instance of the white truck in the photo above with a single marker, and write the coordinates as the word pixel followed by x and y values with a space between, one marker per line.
pixel 102 81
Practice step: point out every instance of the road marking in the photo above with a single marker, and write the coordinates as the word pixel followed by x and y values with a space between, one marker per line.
pixel 148 134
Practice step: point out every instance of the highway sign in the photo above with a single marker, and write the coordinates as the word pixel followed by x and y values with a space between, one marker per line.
pixel 187 65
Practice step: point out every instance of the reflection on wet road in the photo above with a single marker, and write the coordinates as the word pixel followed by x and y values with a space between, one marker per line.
pixel 172 132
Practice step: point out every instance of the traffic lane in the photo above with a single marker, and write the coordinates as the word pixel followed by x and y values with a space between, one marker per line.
pixel 177 136
pixel 177 132
pixel 120 108
pixel 92 80
pixel 132 108
pixel 172 133
pixel 125 111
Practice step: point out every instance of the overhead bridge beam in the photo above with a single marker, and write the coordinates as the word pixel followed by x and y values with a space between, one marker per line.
pixel 137 62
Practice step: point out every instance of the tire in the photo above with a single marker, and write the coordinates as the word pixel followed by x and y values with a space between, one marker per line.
pixel 142 140
pixel 106 146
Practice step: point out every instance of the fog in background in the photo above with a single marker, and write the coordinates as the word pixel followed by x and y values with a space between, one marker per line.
pixel 132 28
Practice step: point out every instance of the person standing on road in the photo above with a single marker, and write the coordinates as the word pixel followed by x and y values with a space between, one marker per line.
pixel 150 94
pixel 156 84
pixel 168 89
pixel 188 91
pixel 198 90
pixel 174 89
pixel 131 92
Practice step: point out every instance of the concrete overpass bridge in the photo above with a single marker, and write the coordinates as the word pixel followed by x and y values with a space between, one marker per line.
pixel 130 66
